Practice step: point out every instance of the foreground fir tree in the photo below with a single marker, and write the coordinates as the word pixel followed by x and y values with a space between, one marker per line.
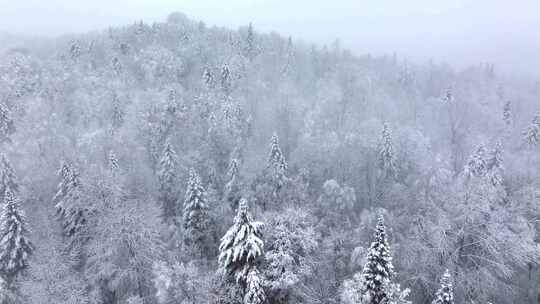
pixel 378 269
pixel 8 178
pixel 7 127
pixel 387 164
pixel 167 182
pixel 196 219
pixel 15 247
pixel 445 294
pixel 242 245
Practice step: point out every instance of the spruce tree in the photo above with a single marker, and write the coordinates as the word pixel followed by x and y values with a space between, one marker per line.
pixel 7 127
pixel 232 188
pixel 117 116
pixel 195 216
pixel 250 50
pixel 507 113
pixel 477 165
pixel 112 162
pixel 208 78
pixel 531 135
pixel 254 293
pixel 69 204
pixel 64 173
pixel 387 164
pixel 15 247
pixel 241 246
pixel 276 165
pixel 378 269
pixel 167 181
pixel 495 165
pixel 445 294
pixel 226 79
pixel 8 178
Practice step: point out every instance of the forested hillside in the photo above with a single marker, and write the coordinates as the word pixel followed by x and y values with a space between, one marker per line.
pixel 175 163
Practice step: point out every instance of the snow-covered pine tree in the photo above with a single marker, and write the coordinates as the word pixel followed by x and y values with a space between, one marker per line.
pixel 242 245
pixel 167 182
pixel 208 77
pixel 387 164
pixel 226 79
pixel 7 295
pixel 495 165
pixel 117 116
pixel 232 188
pixel 531 135
pixel 196 219
pixel 8 178
pixel 69 203
pixel 64 173
pixel 254 293
pixel 7 127
pixel 507 113
pixel 277 165
pixel 250 49
pixel 477 165
pixel 445 294
pixel 15 247
pixel 112 162
pixel 378 269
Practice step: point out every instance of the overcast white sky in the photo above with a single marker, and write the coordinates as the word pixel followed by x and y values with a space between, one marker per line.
pixel 460 32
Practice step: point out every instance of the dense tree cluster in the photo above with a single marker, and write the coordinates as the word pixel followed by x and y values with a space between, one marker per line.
pixel 315 142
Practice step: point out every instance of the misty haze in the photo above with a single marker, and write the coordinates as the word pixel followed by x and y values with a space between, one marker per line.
pixel 269 152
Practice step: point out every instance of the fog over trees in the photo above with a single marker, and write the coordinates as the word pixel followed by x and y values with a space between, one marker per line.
pixel 177 163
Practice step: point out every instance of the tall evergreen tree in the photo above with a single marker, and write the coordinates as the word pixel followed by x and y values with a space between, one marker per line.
pixel 8 178
pixel 15 247
pixel 226 79
pixel 232 187
pixel 113 162
pixel 65 184
pixel 250 49
pixel 7 127
pixel 445 294
pixel 196 217
pixel 387 164
pixel 242 245
pixel 477 165
pixel 208 78
pixel 378 269
pixel 507 113
pixel 167 182
pixel 69 204
pixel 277 165
pixel 495 165
pixel 531 135
pixel 254 293
pixel 117 116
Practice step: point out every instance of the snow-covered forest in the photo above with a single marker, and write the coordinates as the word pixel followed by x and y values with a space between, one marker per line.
pixel 177 163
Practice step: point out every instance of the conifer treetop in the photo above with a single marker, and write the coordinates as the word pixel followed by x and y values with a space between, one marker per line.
pixel 15 248
pixel 378 269
pixel 445 294
pixel 241 245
